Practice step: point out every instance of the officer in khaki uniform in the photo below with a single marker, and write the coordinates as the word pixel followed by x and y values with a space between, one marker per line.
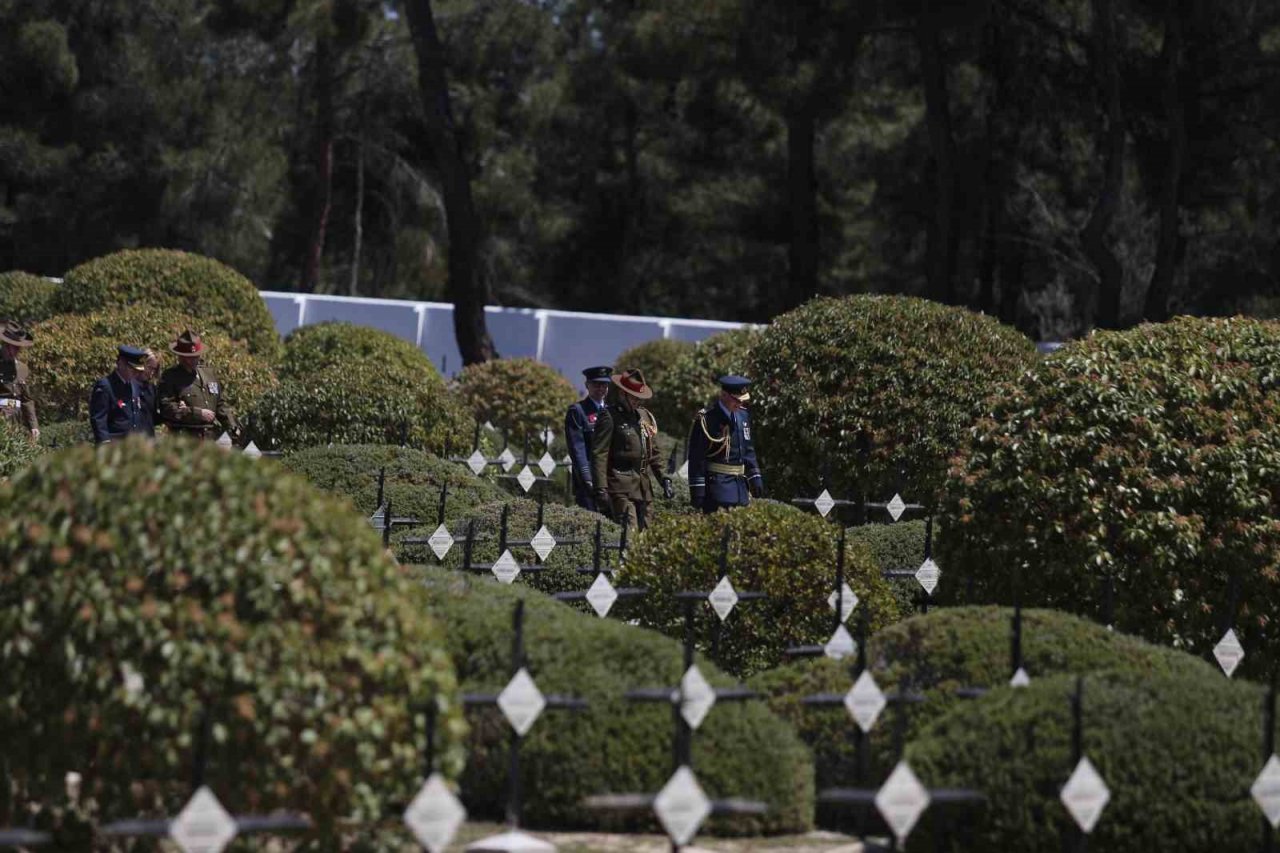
pixel 190 397
pixel 624 451
pixel 15 396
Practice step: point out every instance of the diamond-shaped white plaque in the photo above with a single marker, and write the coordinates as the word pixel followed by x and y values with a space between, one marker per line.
pixel 841 644
pixel 697 697
pixel 441 541
pixel 601 596
pixel 521 702
pixel 490 427
pixel 526 478
pixel 477 463
pixel 683 471
pixel 682 806
pixel 203 825
pixel 1085 795
pixel 1266 791
pixel 506 459
pixel 251 450
pixel 542 542
pixel 928 575
pixel 848 601
pixel 901 801
pixel 896 507
pixel 224 441
pixel 505 568
pixel 864 701
pixel 435 814
pixel 379 519
pixel 548 437
pixel 1229 652
pixel 547 464
pixel 1020 679
pixel 723 598
pixel 824 503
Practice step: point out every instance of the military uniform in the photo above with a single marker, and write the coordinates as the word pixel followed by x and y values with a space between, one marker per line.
pixel 624 452
pixel 119 407
pixel 15 393
pixel 579 429
pixel 723 471
pixel 183 392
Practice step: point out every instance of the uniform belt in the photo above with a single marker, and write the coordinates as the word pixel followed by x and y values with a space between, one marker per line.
pixel 10 403
pixel 731 470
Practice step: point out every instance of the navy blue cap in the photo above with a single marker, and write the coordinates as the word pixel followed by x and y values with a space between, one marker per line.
pixel 133 355
pixel 598 374
pixel 734 384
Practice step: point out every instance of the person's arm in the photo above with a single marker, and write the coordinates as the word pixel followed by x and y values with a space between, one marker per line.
pixel 171 406
pixel 697 457
pixel 755 481
pixel 99 406
pixel 226 416
pixel 601 442
pixel 575 435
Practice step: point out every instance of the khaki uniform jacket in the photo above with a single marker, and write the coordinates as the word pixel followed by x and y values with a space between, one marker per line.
pixel 623 451
pixel 15 396
pixel 198 390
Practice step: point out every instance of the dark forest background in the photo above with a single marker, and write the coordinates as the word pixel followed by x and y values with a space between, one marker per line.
pixel 1061 164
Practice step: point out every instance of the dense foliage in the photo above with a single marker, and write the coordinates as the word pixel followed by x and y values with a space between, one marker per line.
pixel 909 375
pixel 897 547
pixel 656 360
pixel 216 296
pixel 25 298
pixel 16 447
pixel 691 381
pixel 775 549
pixel 161 580
pixel 1150 455
pixel 614 746
pixel 520 395
pixel 318 347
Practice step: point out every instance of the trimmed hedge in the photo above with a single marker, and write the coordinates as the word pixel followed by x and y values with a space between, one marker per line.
pixel 65 434
pixel 615 745
pixel 16 448
pixel 521 395
pixel 656 360
pixel 945 650
pixel 72 351
pixel 212 292
pixel 913 374
pixel 1177 752
pixel 899 546
pixel 26 298
pixel 776 549
pixel 413 478
pixel 1151 454
pixel 219 581
pixel 310 351
pixel 690 383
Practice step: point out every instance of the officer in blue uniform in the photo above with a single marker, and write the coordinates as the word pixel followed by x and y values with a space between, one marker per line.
pixel 119 404
pixel 722 459
pixel 579 426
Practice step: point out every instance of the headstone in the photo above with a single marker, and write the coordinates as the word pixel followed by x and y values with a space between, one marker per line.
pixel 435 814
pixel 542 542
pixel 682 806
pixel 927 575
pixel 901 801
pixel 547 464
pixel 507 459
pixel 477 462
pixel 521 702
pixel 1229 652
pixel 1020 679
pixel 864 701
pixel 203 825
pixel 723 598
pixel 848 601
pixel 1085 795
pixel 251 450
pixel 824 503
pixel 896 507
pixel 697 697
pixel 441 541
pixel 601 596
pixel 505 568
pixel 841 644
pixel 526 478
pixel 1266 791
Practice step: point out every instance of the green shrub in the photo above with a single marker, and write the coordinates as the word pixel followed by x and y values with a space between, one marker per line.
pixel 895 547
pixel 615 746
pixel 219 297
pixel 1152 455
pixel 656 360
pixel 72 351
pixel 413 479
pixel 690 383
pixel 223 583
pixel 912 374
pixel 16 448
pixel 945 650
pixel 25 298
pixel 778 550
pixel 521 395
pixel 1177 752
pixel 65 434
pixel 310 351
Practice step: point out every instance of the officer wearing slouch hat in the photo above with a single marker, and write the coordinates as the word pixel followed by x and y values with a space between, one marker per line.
pixel 723 471
pixel 191 399
pixel 15 396
pixel 624 451
pixel 119 404
pixel 579 426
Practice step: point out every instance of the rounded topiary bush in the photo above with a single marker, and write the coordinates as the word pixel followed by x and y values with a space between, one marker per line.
pixel 212 292
pixel 614 746
pixel 1177 752
pixel 943 651
pixel 72 351
pixel 690 383
pixel 911 374
pixel 656 359
pixel 775 549
pixel 26 298
pixel 160 580
pixel 897 547
pixel 412 483
pixel 520 395
pixel 16 447
pixel 1152 455
pixel 310 351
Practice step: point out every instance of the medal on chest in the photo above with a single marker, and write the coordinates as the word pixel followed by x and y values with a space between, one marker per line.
pixel 213 387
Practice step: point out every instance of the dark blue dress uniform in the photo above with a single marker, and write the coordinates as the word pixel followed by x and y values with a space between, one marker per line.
pixel 722 458
pixel 119 407
pixel 579 427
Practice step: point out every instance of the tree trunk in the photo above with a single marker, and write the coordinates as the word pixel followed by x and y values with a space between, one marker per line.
pixel 942 236
pixel 802 203
pixel 1170 243
pixel 1094 235
pixel 324 165
pixel 357 240
pixel 466 289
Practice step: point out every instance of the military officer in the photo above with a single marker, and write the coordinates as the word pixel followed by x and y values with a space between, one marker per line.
pixel 579 426
pixel 119 403
pixel 624 452
pixel 190 398
pixel 722 459
pixel 15 396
